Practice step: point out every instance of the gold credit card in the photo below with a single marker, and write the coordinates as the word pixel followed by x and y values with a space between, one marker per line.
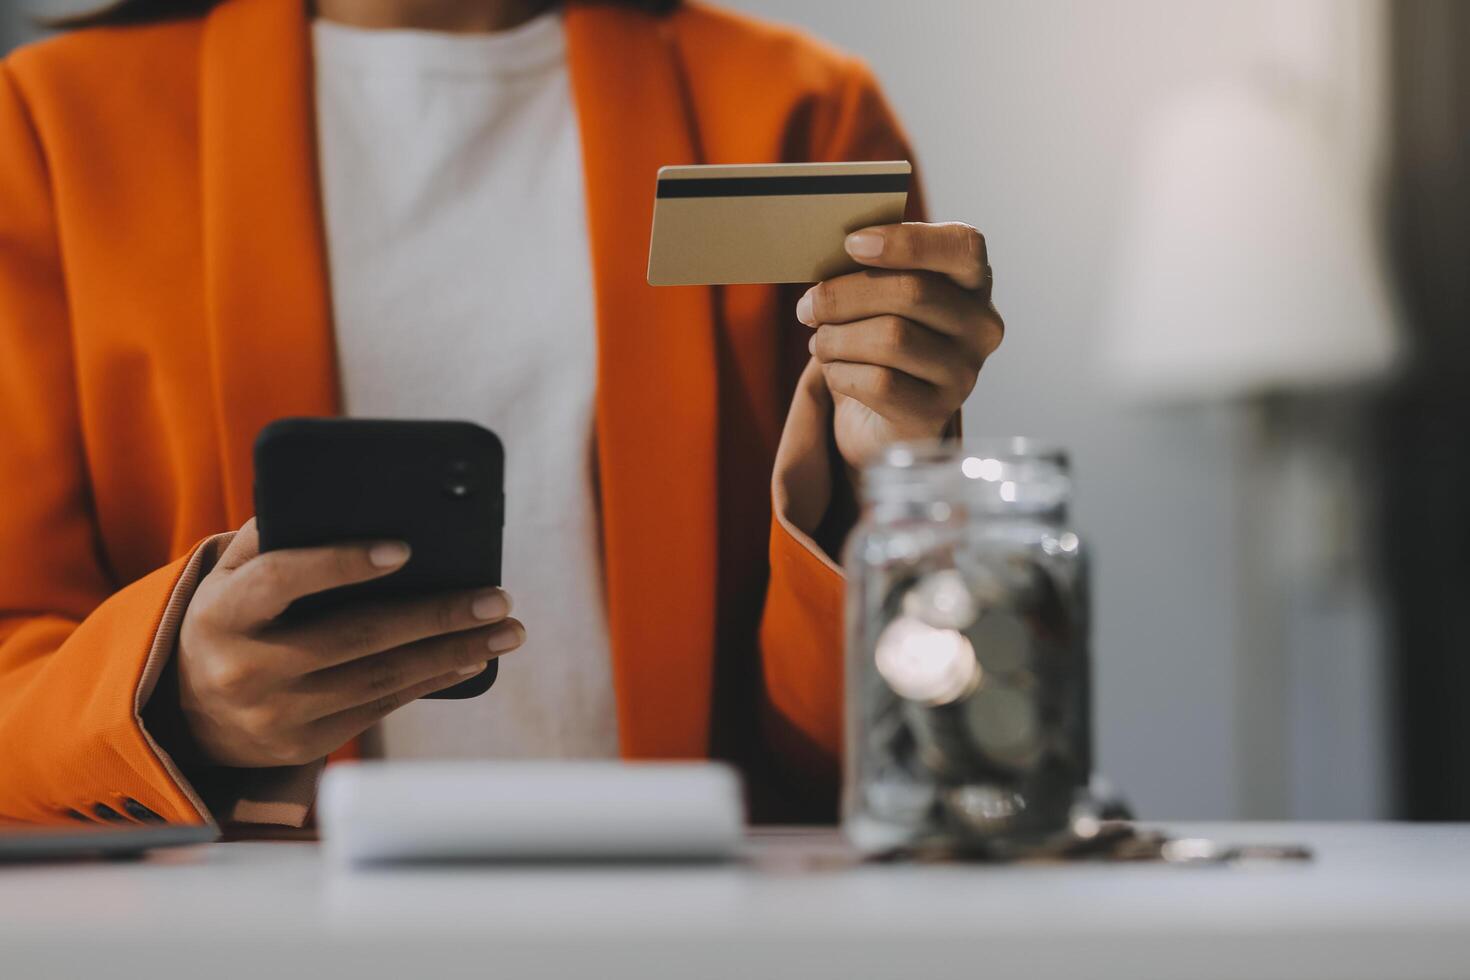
pixel 766 223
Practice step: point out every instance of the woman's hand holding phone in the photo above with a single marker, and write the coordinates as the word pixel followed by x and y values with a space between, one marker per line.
pixel 255 692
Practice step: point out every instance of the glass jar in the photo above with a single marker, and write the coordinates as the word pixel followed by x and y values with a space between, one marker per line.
pixel 967 694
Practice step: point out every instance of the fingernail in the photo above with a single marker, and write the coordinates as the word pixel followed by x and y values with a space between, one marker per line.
pixel 811 345
pixel 864 244
pixel 389 554
pixel 505 638
pixel 804 311
pixel 491 605
pixel 472 671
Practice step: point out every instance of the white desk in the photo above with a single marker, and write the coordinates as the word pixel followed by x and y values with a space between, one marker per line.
pixel 1380 901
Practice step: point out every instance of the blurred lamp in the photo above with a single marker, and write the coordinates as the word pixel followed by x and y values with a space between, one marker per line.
pixel 1251 266
pixel 1251 263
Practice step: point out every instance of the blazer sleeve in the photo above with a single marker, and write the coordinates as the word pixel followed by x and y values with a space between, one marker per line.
pixel 801 630
pixel 79 652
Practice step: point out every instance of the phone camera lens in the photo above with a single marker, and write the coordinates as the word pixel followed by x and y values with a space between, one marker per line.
pixel 458 484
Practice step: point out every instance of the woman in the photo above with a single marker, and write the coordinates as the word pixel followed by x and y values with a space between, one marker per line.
pixel 214 214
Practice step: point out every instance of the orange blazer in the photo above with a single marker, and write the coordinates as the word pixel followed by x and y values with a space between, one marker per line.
pixel 163 295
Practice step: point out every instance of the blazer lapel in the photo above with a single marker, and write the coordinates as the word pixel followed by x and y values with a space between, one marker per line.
pixel 270 324
pixel 657 397
pixel 269 313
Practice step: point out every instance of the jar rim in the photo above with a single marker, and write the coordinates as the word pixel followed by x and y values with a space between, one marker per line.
pixel 1007 448
pixel 917 455
pixel 994 475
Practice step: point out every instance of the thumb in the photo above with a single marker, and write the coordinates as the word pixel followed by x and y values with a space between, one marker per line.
pixel 245 546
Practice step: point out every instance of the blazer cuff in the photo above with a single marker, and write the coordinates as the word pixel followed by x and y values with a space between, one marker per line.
pixel 160 652
pixel 281 796
pixel 801 627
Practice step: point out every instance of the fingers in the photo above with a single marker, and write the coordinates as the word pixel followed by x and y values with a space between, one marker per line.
pixel 336 729
pixel 298 723
pixel 952 249
pixel 892 394
pixel 339 637
pixel 922 297
pixel 264 586
pixel 894 342
pixel 384 675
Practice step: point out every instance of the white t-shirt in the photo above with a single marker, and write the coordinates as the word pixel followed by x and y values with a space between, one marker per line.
pixel 452 178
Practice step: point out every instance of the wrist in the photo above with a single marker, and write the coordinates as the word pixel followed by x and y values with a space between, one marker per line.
pixel 163 716
pixel 842 504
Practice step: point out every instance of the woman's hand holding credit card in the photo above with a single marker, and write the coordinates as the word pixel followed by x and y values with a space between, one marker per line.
pixel 901 313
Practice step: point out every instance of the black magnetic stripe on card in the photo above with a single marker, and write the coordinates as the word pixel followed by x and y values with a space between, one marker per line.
pixel 783 186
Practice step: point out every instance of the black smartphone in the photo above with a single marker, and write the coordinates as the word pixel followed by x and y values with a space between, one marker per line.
pixel 440 486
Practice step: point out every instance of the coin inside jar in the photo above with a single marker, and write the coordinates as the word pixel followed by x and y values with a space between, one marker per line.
pixel 1002 642
pixel 926 664
pixel 943 598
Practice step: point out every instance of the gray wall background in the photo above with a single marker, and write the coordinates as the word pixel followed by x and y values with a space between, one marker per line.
pixel 1025 116
pixel 13 30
